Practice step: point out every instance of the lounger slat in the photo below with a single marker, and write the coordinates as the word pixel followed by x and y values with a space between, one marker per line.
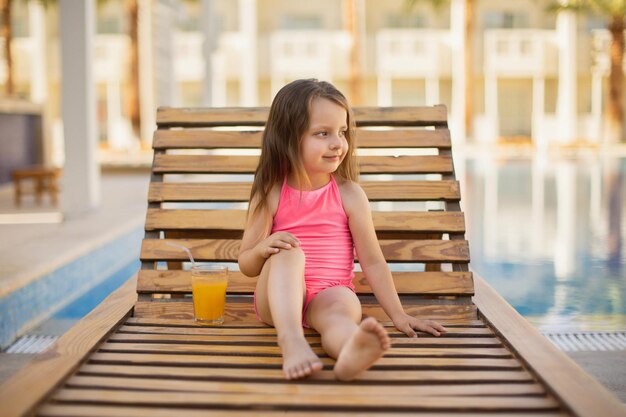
pixel 245 164
pixel 251 139
pixel 405 164
pixel 242 313
pixel 403 138
pixel 270 362
pixel 390 221
pixel 446 342
pixel 257 116
pixel 258 328
pixel 448 283
pixel 355 402
pixel 263 351
pixel 453 251
pixel 206 139
pixel 406 376
pixel 401 116
pixel 446 190
pixel 205 164
pixel 167 385
pixel 207 117
pixel 463 334
pixel 79 410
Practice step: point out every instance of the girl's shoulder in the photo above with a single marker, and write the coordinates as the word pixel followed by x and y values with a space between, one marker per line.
pixel 272 198
pixel 352 195
pixel 346 185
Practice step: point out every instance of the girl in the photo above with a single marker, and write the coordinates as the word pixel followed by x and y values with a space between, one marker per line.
pixel 307 216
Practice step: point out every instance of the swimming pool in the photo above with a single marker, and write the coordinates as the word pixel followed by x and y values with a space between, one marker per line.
pixel 55 301
pixel 546 232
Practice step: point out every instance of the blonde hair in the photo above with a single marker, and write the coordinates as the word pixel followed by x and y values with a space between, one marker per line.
pixel 287 122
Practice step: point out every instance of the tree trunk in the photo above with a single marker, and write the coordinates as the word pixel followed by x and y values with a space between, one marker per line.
pixel 469 70
pixel 614 108
pixel 350 16
pixel 133 79
pixel 8 38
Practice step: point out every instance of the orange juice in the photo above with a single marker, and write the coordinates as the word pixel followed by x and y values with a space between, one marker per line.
pixel 208 285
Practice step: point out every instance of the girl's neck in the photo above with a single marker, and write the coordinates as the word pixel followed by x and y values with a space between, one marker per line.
pixel 316 182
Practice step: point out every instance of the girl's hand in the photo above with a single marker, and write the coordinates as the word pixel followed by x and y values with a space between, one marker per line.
pixel 408 324
pixel 275 242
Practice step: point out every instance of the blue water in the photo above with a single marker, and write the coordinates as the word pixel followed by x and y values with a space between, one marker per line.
pixel 71 291
pixel 80 307
pixel 547 234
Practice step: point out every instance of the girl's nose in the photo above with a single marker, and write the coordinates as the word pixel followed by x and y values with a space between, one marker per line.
pixel 336 143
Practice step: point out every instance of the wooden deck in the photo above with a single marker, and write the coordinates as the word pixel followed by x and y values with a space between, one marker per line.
pixel 141 354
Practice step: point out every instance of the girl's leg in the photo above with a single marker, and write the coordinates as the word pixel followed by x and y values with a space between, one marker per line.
pixel 336 314
pixel 280 293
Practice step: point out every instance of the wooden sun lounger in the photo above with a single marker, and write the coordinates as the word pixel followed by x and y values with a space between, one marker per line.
pixel 141 354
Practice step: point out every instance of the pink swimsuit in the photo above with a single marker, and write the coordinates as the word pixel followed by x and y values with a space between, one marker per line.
pixel 318 220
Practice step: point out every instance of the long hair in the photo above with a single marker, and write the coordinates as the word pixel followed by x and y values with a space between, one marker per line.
pixel 287 122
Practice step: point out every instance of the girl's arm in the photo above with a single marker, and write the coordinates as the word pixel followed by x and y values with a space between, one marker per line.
pixel 375 266
pixel 257 246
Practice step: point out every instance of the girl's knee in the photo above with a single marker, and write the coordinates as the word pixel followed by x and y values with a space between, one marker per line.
pixel 293 255
pixel 345 308
pixel 338 301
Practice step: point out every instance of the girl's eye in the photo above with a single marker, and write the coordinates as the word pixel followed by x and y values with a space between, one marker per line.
pixel 322 133
pixel 342 133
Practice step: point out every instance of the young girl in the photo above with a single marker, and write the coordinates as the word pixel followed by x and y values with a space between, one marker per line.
pixel 306 218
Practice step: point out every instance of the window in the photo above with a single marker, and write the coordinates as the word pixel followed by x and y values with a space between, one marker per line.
pixel 406 21
pixel 109 25
pixel 290 22
pixel 502 19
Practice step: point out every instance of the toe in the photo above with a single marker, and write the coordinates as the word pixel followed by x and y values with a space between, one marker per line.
pixel 317 365
pixel 303 371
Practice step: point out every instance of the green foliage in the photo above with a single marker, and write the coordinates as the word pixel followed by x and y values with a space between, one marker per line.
pixel 604 7
pixel 436 4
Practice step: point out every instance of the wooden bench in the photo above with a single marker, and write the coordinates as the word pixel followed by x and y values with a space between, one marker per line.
pixel 141 354
pixel 45 180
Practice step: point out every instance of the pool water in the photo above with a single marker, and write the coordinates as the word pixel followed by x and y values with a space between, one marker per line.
pixel 53 303
pixel 547 234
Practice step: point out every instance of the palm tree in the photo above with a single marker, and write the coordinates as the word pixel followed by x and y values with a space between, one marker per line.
pixel 132 88
pixel 350 23
pixel 132 103
pixel 615 12
pixel 467 52
pixel 6 34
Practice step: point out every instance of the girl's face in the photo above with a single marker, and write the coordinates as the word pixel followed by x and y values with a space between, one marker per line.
pixel 324 144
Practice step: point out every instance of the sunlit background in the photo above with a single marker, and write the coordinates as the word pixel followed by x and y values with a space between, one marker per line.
pixel 526 84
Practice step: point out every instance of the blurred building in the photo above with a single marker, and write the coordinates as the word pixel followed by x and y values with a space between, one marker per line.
pixel 534 74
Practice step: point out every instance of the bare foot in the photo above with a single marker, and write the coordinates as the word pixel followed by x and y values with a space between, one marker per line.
pixel 367 344
pixel 299 361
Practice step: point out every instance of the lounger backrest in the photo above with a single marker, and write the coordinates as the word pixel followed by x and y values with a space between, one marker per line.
pixel 204 161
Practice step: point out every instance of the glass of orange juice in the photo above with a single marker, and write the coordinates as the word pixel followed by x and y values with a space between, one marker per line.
pixel 208 285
